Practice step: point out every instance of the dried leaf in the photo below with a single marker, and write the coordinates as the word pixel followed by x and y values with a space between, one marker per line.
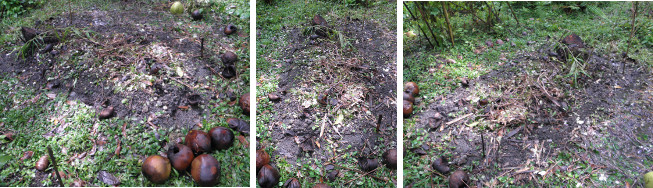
pixel 124 126
pixel 183 107
pixel 108 178
pixel 339 119
pixel 117 153
pixel 101 142
pixel 180 72
pixel 51 95
pixel 93 150
pixel 78 183
pixel 69 102
pixel 61 173
pixel 243 141
pixel 27 155
pixel 81 155
pixel 473 124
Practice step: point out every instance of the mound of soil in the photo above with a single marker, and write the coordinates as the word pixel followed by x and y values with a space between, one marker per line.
pixel 359 81
pixel 93 66
pixel 535 114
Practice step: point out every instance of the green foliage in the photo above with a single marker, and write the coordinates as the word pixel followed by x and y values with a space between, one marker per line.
pixel 14 8
pixel 353 3
pixel 576 68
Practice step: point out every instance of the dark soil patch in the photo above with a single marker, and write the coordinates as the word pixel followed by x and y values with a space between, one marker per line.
pixel 96 69
pixel 523 129
pixel 360 81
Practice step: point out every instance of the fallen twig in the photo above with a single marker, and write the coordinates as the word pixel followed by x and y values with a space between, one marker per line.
pixel 152 125
pixel 458 119
pixel 365 174
pixel 361 172
pixel 323 124
pixel 179 81
pixel 546 93
pixel 378 122
pixel 54 164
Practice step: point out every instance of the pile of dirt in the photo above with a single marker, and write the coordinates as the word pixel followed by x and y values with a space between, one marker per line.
pixel 534 113
pixel 357 80
pixel 93 66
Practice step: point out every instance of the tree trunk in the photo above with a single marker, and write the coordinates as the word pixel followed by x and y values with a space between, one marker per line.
pixel 446 17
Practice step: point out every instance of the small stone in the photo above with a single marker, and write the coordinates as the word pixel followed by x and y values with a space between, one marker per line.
pixel 499 42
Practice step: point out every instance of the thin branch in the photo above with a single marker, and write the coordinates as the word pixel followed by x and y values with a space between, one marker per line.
pixel 425 18
pixel 54 164
pixel 512 12
pixel 632 32
pixel 420 28
pixel 446 17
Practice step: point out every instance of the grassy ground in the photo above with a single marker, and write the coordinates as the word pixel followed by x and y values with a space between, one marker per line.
pixel 84 145
pixel 606 32
pixel 31 115
pixel 275 24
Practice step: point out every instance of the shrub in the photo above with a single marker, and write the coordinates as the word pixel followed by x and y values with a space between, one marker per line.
pixel 13 8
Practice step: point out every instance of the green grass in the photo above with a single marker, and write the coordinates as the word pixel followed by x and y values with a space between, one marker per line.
pixel 34 119
pixel 607 35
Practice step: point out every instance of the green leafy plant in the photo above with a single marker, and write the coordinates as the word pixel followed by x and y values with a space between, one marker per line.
pixel 13 8
pixel 577 67
pixel 30 47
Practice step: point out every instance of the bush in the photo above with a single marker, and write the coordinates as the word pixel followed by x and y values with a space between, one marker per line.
pixel 13 8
